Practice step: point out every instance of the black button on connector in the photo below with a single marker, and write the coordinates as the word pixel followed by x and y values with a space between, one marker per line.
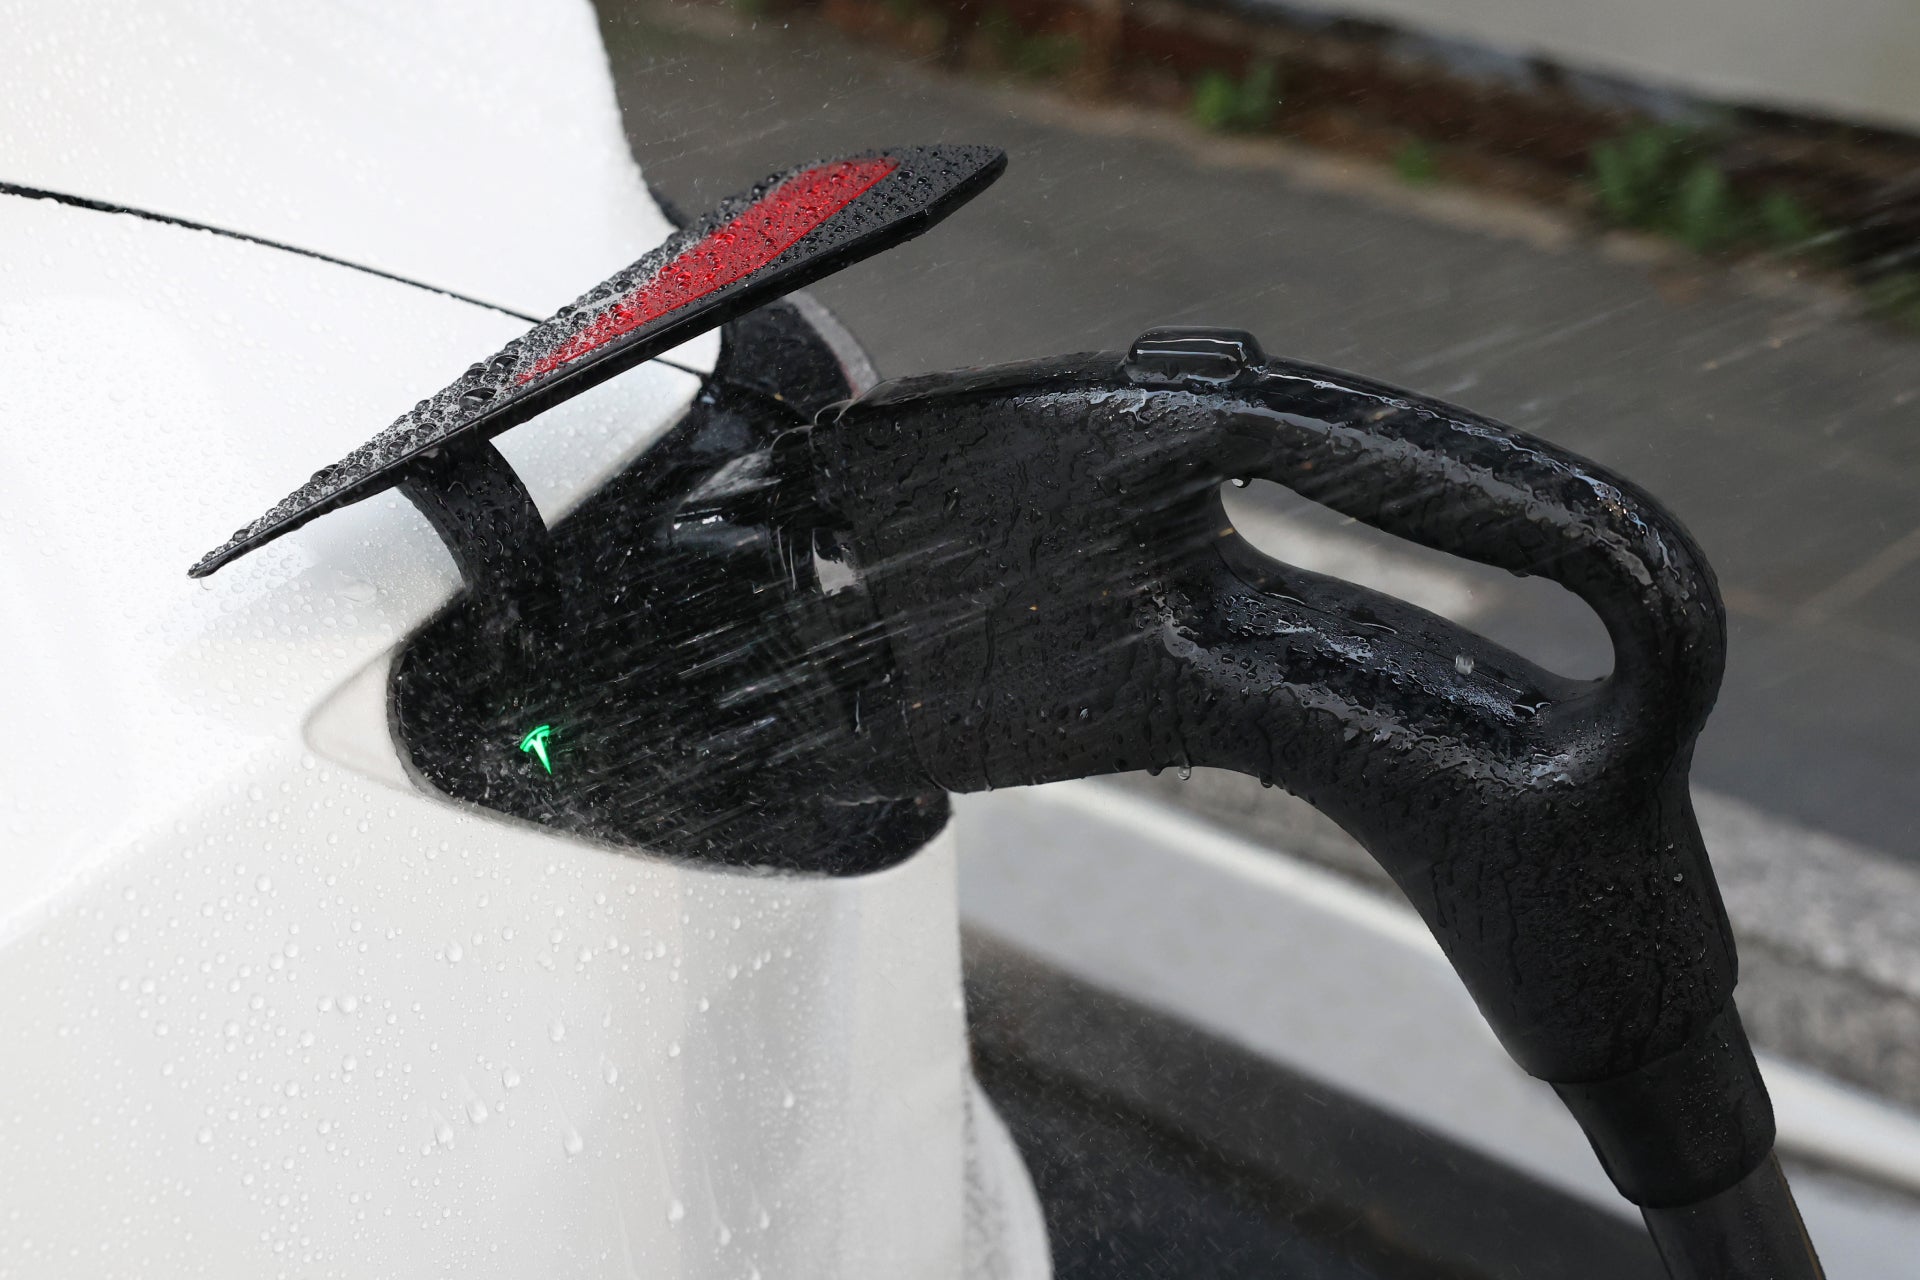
pixel 1175 356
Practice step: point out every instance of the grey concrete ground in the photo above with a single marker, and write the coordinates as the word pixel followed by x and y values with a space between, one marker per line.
pixel 1782 431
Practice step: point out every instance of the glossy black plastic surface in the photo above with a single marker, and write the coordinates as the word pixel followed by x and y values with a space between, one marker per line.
pixel 1045 547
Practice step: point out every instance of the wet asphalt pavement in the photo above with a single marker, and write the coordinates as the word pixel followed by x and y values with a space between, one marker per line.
pixel 1786 436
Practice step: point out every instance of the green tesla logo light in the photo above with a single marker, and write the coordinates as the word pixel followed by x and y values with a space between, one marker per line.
pixel 535 745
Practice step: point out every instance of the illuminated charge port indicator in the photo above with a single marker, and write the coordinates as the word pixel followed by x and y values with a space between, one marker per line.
pixel 535 745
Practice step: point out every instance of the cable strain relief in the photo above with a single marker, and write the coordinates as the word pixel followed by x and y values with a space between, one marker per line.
pixel 1685 1126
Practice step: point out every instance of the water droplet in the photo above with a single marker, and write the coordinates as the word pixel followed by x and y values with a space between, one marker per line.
pixel 1463 664
pixel 454 953
pixel 676 1211
pixel 558 1031
pixel 264 884
pixel 205 1136
pixel 349 1063
pixel 787 1100
pixel 611 1074
pixel 443 1134
pixel 477 1111
pixel 573 1144
pixel 510 1078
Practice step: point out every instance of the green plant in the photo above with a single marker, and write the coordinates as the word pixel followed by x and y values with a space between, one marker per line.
pixel 1259 94
pixel 1662 178
pixel 1705 213
pixel 1224 104
pixel 1417 163
pixel 1047 55
pixel 1634 175
pixel 1787 223
pixel 1039 55
pixel 1215 98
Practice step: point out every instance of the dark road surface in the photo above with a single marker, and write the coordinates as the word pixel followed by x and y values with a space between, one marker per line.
pixel 1784 435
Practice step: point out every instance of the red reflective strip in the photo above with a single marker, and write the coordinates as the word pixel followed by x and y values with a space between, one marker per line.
pixel 764 231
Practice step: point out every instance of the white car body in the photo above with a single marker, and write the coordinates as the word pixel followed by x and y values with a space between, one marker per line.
pixel 272 1006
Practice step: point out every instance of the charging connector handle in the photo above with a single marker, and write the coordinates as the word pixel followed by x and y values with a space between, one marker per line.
pixel 1045 547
